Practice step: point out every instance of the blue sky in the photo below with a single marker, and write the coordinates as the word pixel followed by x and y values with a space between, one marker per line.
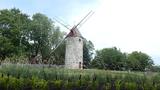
pixel 131 25
pixel 61 8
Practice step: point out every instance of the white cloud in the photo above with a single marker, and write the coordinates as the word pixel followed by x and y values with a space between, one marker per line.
pixel 127 24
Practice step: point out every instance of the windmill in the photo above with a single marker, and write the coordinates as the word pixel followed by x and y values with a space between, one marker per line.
pixel 74 44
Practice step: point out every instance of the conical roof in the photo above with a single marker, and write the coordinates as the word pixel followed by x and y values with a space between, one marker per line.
pixel 74 32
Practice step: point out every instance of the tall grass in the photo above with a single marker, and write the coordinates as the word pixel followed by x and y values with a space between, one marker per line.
pixel 88 78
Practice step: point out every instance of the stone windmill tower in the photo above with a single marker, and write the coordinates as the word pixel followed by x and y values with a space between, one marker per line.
pixel 74 50
pixel 74 45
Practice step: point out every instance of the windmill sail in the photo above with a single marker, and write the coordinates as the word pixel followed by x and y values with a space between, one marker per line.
pixel 84 19
pixel 61 22
pixel 74 32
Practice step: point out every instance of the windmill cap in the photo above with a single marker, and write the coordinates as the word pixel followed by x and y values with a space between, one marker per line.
pixel 74 32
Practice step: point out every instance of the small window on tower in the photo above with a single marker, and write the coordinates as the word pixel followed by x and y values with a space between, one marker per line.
pixel 79 40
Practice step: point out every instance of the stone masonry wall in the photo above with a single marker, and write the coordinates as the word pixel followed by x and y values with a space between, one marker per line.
pixel 74 53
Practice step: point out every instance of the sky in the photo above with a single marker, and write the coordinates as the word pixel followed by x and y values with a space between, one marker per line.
pixel 130 25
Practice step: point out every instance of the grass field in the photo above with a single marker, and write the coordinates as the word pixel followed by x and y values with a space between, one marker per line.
pixel 88 78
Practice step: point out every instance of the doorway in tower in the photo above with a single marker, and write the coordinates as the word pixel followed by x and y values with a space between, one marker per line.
pixel 80 66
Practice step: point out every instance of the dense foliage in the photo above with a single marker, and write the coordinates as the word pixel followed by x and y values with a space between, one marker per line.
pixel 114 59
pixel 88 49
pixel 139 61
pixel 21 35
pixel 13 27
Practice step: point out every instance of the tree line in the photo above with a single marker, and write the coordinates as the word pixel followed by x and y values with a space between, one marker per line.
pixel 32 39
pixel 114 59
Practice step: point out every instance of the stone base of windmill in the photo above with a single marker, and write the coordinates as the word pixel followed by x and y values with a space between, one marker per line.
pixel 74 65
pixel 74 53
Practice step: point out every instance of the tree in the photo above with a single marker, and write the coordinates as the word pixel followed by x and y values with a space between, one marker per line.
pixel 139 61
pixel 13 25
pixel 58 47
pixel 58 56
pixel 6 48
pixel 109 58
pixel 40 34
pixel 88 51
pixel 45 37
pixel 155 68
